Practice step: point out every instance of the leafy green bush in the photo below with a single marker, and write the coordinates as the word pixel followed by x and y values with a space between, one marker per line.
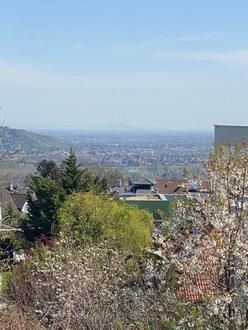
pixel 88 217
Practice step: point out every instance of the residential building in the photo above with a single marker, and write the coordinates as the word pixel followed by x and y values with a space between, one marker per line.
pixel 13 195
pixel 142 187
pixel 182 187
pixel 228 133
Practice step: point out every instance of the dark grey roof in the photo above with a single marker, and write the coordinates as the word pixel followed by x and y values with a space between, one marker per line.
pixel 142 187
pixel 19 200
pixel 12 195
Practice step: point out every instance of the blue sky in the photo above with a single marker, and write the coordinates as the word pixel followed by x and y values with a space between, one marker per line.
pixel 134 64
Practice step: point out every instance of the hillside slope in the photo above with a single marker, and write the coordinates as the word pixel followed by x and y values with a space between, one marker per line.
pixel 18 139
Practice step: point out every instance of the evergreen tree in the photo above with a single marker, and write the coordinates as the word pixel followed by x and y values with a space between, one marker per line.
pixel 48 189
pixel 44 202
pixel 71 174
pixel 48 168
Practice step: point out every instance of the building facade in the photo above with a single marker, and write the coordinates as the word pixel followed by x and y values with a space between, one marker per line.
pixel 230 134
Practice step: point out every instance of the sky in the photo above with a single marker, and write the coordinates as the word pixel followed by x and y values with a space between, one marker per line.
pixel 125 64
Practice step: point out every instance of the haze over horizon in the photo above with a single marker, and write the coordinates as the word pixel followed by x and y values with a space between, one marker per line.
pixel 164 65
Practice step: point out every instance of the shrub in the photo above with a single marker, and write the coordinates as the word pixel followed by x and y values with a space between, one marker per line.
pixel 91 218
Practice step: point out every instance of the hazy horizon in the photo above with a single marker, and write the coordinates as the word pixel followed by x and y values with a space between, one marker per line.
pixel 117 129
pixel 168 65
pixel 112 127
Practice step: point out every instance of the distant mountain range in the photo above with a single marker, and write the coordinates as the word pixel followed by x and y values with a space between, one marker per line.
pixel 18 139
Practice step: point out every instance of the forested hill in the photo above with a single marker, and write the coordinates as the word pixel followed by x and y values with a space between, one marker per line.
pixel 19 139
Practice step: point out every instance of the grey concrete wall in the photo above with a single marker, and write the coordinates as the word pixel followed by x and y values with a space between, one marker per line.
pixel 233 134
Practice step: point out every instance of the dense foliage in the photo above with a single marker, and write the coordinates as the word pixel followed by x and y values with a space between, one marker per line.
pixel 208 244
pixel 87 217
pixel 98 287
pixel 48 189
pixel 102 272
pixel 44 201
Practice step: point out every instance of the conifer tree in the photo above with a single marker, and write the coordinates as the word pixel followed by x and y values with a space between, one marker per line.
pixel 45 199
pixel 48 168
pixel 48 189
pixel 71 174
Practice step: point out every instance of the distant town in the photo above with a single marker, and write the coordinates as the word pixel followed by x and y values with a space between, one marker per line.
pixel 136 154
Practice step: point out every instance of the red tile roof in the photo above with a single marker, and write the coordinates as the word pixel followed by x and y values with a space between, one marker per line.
pixel 165 186
pixel 197 285
pixel 200 280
